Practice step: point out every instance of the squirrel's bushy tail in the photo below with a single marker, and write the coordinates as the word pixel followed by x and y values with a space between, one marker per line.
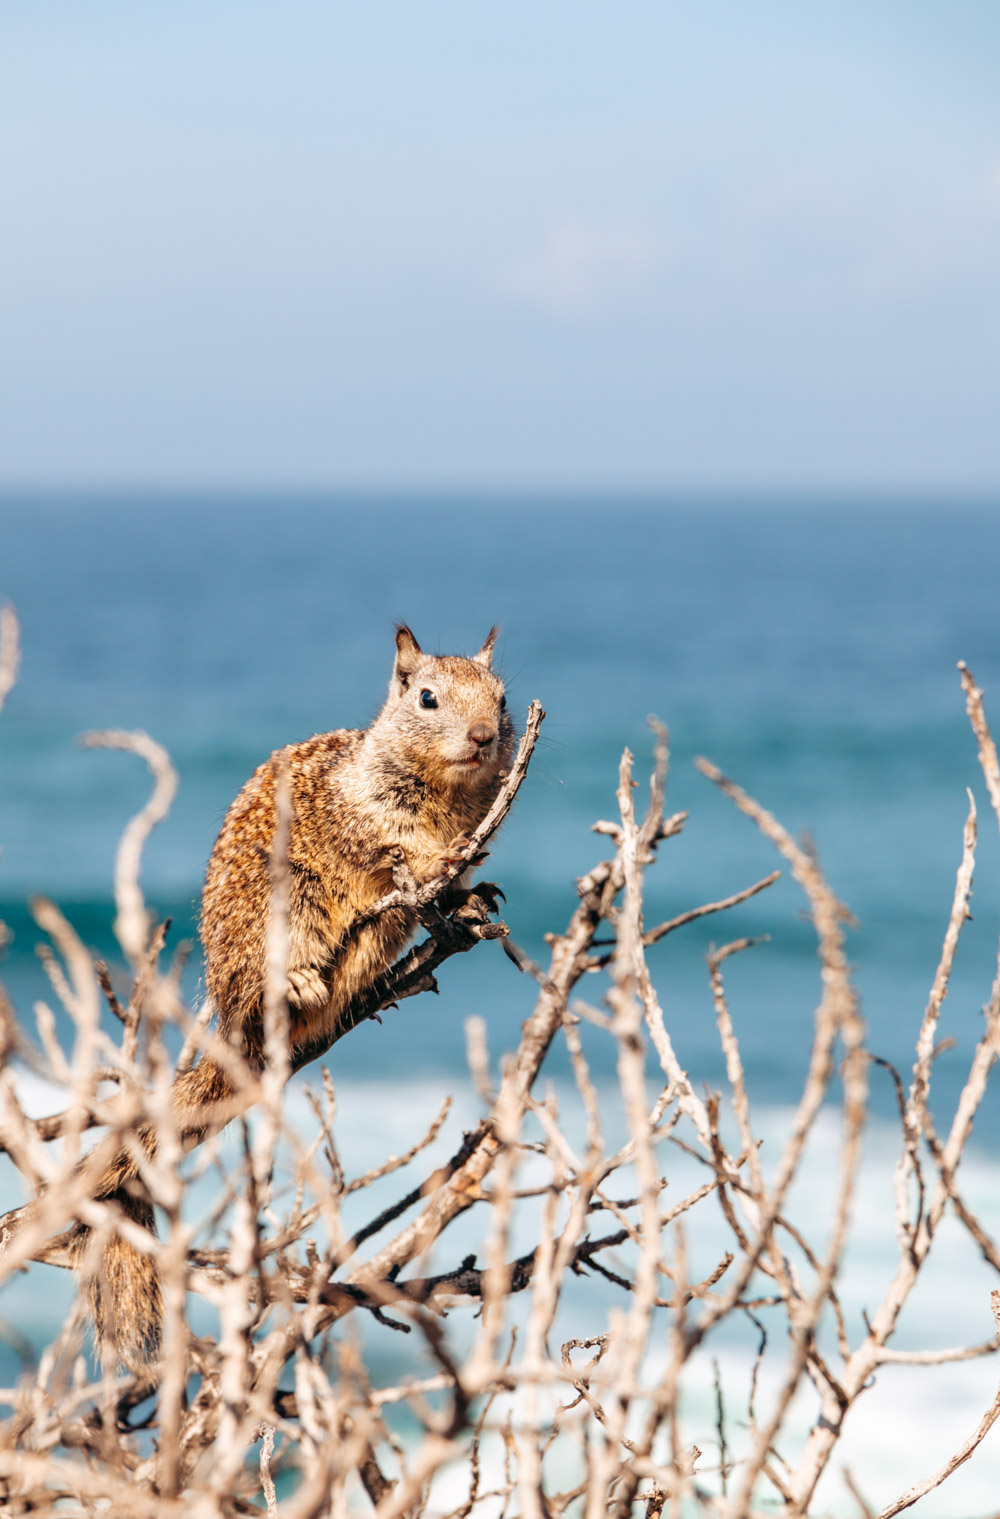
pixel 124 1287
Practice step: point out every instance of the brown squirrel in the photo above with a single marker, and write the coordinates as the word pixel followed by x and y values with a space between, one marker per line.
pixel 418 780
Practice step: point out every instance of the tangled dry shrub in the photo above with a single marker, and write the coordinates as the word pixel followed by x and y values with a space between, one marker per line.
pixel 276 1393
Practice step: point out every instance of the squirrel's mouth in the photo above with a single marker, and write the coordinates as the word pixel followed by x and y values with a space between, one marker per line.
pixel 472 762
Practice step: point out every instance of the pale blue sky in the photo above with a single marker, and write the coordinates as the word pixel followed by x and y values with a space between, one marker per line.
pixel 435 243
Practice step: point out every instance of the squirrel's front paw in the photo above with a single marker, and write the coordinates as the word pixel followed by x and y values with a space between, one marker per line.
pixel 307 988
pixel 476 905
pixel 454 854
pixel 451 854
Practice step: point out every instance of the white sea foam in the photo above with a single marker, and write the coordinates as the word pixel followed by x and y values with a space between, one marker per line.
pixel 37 1095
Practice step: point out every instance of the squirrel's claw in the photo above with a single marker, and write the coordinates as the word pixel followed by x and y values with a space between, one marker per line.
pixel 455 853
pixel 456 849
pixel 451 854
pixel 476 904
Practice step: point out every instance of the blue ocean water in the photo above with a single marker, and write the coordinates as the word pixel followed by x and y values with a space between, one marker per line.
pixel 807 647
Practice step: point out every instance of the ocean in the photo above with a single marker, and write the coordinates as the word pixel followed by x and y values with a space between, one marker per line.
pixel 807 647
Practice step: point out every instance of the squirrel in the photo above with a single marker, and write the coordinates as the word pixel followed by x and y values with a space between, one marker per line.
pixel 410 787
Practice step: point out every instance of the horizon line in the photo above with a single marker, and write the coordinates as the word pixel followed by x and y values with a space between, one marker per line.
pixel 117 492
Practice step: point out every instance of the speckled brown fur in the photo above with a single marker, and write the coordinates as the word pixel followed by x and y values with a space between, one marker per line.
pixel 418 779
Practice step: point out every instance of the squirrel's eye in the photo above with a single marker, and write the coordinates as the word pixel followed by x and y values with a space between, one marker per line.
pixel 503 704
pixel 428 699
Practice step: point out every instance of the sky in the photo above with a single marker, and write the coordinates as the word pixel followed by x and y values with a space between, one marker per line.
pixel 387 244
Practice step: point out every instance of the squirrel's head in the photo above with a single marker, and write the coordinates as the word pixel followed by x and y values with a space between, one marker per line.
pixel 448 715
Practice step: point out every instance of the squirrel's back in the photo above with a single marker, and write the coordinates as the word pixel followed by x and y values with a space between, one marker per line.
pixel 236 898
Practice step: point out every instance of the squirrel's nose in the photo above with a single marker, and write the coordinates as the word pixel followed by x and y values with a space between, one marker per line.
pixel 482 734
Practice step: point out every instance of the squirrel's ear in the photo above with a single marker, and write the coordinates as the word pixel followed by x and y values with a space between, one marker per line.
pixel 485 655
pixel 408 656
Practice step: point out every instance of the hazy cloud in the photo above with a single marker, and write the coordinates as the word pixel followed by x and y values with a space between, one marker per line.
pixel 723 244
pixel 578 267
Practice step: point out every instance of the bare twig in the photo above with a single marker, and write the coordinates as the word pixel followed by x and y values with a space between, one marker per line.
pixel 132 922
pixel 965 1450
